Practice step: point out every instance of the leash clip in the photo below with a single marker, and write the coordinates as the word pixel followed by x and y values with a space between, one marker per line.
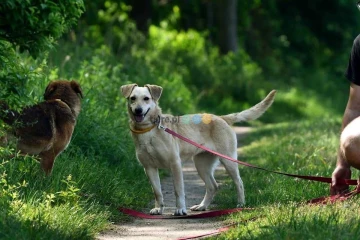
pixel 159 124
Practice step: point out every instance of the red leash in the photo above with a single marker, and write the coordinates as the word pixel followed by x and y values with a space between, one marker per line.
pixel 335 198
pixel 312 178
pixel 217 231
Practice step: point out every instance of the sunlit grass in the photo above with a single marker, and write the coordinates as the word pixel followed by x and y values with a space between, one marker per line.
pixel 297 221
pixel 306 148
pixel 77 201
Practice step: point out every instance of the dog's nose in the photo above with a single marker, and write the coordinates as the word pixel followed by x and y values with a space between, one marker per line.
pixel 138 110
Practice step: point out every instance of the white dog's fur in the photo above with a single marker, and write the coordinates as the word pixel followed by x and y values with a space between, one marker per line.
pixel 156 148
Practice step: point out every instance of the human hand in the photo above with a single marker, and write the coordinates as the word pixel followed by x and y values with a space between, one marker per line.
pixel 336 186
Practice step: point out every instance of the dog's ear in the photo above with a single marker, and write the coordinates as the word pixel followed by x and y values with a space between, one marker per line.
pixel 49 90
pixel 155 91
pixel 127 89
pixel 76 87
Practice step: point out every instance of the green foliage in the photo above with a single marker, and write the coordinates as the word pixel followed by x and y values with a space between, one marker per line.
pixel 33 26
pixel 30 27
pixel 231 77
pixel 205 80
pixel 77 201
pixel 39 217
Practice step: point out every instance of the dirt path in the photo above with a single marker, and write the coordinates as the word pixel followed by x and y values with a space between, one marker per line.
pixel 144 229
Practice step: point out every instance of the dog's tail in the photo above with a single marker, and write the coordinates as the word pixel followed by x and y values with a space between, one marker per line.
pixel 7 115
pixel 251 113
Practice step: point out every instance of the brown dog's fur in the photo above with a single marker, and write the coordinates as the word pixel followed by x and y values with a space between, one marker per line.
pixel 45 129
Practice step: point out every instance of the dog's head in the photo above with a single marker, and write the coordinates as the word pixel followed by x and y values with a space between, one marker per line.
pixel 67 91
pixel 142 101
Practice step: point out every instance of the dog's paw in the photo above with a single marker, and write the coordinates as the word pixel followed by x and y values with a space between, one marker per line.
pixel 240 205
pixel 180 212
pixel 156 211
pixel 198 208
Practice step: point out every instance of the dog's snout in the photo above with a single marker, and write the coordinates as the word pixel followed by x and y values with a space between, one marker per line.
pixel 138 110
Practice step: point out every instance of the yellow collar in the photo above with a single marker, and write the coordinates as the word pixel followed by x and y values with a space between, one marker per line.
pixel 141 131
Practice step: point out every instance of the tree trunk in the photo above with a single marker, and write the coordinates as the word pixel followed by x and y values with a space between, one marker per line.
pixel 227 20
pixel 210 20
pixel 141 13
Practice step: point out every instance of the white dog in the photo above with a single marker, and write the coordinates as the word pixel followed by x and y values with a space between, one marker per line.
pixel 156 148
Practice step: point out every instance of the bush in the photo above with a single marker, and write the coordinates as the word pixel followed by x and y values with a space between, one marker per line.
pixel 30 27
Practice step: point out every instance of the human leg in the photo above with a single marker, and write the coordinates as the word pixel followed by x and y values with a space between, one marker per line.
pixel 342 170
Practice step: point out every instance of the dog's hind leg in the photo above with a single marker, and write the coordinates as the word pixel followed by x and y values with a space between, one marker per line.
pixel 233 171
pixel 3 139
pixel 205 165
pixel 153 175
pixel 47 160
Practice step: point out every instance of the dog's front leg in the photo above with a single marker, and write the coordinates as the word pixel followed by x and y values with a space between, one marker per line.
pixel 153 175
pixel 179 189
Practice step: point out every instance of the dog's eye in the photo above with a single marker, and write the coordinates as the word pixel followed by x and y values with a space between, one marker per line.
pixel 133 98
pixel 146 98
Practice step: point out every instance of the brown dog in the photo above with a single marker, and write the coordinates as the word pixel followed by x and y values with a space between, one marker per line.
pixel 45 129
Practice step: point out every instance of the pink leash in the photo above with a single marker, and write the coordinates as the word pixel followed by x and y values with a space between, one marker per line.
pixel 321 200
pixel 312 178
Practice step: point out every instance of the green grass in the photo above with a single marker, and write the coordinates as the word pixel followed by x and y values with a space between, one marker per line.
pixel 303 147
pixel 77 201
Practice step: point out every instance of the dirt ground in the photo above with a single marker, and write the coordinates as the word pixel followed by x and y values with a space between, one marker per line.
pixel 147 229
